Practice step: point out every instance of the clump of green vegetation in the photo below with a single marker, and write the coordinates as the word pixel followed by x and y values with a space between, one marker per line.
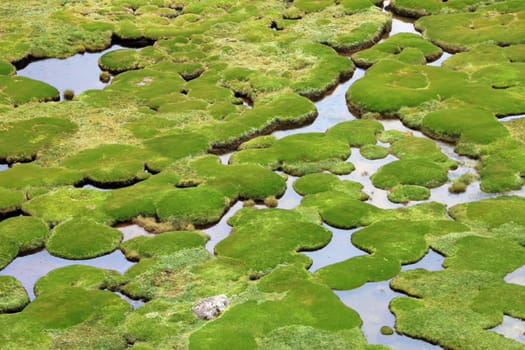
pixel 396 47
pixel 19 235
pixel 252 241
pixel 82 239
pixel 67 203
pixel 460 184
pixel 271 202
pixel 238 180
pixel 467 127
pixel 490 213
pixel 69 94
pixel 303 337
pixel 390 243
pixel 17 90
pixel 10 200
pixel 6 68
pixel 296 307
pixel 22 140
pixel 13 296
pixel 298 154
pixel 196 205
pixel 162 244
pixel 385 330
pixel 409 8
pixel 323 182
pixel 78 276
pixel 419 172
pixel 373 152
pixel 406 193
pixel 61 312
pixel 105 76
pixel 357 133
pixel 468 29
pixel 406 85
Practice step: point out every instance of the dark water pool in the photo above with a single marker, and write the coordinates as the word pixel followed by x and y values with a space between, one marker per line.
pixel 78 73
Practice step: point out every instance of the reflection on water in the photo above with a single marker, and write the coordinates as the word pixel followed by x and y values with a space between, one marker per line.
pixel 371 302
pixel 517 276
pixel 290 198
pixel 4 167
pixel 439 61
pixel 93 187
pixel 364 168
pixel 135 304
pixel 432 261
pixel 221 230
pixel 130 231
pixel 511 117
pixel 332 110
pixel 402 25
pixel 28 269
pixel 225 158
pixel 339 249
pixel 78 73
pixel 512 328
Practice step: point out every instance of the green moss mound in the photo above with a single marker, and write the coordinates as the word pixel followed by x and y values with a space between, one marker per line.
pixel 120 61
pixel 13 296
pixel 459 319
pixel 29 233
pixel 302 337
pixel 341 210
pixel 297 307
pixel 469 29
pixel 397 46
pixel 82 239
pixel 245 181
pixel 464 126
pixel 391 243
pixel 174 147
pixel 110 164
pixel 406 85
pixel 323 182
pixel 10 200
pixel 410 148
pixel 197 205
pixel 298 154
pixel 422 173
pixel 78 276
pixel 76 305
pixel 19 90
pixel 163 244
pixel 6 68
pixel 31 176
pixel 21 234
pixel 407 193
pixel 412 8
pixel 385 330
pixel 490 213
pixel 357 133
pixel 67 203
pixel 21 141
pixel 373 152
pixel 254 242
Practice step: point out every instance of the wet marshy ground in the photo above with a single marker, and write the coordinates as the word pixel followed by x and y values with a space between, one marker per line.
pixel 371 300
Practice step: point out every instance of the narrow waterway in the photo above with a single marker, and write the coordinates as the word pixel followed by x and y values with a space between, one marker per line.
pixel 78 73
pixel 30 268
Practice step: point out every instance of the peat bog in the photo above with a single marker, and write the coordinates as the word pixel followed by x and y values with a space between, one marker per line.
pixel 348 173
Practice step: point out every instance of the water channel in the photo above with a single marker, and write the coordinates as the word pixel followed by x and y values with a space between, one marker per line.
pixel 81 73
